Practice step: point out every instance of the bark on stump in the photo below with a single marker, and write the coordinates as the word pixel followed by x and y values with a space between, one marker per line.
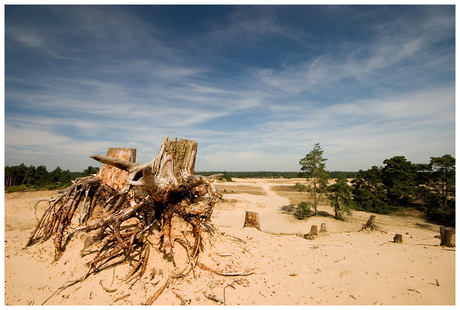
pixel 251 219
pixel 113 176
pixel 370 224
pixel 398 238
pixel 447 236
pixel 313 233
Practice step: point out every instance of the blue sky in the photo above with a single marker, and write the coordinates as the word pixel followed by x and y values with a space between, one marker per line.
pixel 255 86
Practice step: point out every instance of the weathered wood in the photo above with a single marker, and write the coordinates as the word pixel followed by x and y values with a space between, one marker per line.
pixel 447 236
pixel 323 228
pixel 150 193
pixel 370 224
pixel 371 221
pixel 251 219
pixel 397 238
pixel 313 233
pixel 114 176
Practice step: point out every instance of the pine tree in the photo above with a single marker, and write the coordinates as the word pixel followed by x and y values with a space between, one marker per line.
pixel 340 196
pixel 313 164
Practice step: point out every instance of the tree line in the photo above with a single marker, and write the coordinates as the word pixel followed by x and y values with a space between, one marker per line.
pixel 396 185
pixel 401 184
pixel 23 177
pixel 272 174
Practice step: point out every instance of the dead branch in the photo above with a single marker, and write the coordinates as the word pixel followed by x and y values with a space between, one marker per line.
pixel 108 290
pixel 226 274
pixel 158 293
pixel 213 297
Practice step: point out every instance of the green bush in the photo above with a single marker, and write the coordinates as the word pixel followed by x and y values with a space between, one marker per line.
pixel 303 210
pixel 300 187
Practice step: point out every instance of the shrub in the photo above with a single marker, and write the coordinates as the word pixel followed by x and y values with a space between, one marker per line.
pixel 300 187
pixel 303 210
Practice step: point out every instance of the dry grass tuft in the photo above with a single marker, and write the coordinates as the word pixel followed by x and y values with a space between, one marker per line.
pixel 241 189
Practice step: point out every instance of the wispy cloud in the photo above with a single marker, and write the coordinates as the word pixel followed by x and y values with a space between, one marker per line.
pixel 255 86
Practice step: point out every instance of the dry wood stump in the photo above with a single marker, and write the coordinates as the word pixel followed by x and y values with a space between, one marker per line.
pixel 323 228
pixel 447 236
pixel 397 238
pixel 313 233
pixel 251 219
pixel 129 207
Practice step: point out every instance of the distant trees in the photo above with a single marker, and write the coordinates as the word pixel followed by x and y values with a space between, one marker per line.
pixel 22 177
pixel 273 174
pixel 90 170
pixel 314 166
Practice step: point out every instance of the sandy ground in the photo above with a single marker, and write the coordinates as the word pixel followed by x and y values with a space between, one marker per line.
pixel 341 267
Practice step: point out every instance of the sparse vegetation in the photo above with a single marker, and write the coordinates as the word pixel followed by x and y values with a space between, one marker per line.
pixel 303 210
pixel 300 187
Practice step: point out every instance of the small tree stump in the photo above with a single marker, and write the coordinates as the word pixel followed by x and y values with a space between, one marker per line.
pixel 447 236
pixel 113 176
pixel 323 228
pixel 251 219
pixel 313 233
pixel 370 224
pixel 398 238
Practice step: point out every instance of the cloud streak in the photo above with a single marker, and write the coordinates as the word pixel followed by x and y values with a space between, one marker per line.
pixel 255 86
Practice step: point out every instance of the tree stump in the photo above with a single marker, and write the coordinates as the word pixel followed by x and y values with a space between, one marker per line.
pixel 398 238
pixel 323 228
pixel 370 224
pixel 251 219
pixel 447 236
pixel 313 233
pixel 113 176
pixel 148 194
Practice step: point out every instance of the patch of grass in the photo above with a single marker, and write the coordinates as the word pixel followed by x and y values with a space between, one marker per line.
pixel 18 188
pixel 241 189
pixel 288 191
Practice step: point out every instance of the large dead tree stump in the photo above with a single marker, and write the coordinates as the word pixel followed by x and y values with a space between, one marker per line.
pixel 251 219
pixel 447 236
pixel 136 200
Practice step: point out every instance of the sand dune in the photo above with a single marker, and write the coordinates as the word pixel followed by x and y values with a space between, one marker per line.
pixel 341 267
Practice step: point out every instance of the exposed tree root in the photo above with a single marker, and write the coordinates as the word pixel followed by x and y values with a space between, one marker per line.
pixel 131 220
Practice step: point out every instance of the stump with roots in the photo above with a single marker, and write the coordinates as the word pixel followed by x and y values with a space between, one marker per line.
pixel 127 206
pixel 370 225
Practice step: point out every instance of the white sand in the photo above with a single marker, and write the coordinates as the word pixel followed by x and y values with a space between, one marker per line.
pixel 341 267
